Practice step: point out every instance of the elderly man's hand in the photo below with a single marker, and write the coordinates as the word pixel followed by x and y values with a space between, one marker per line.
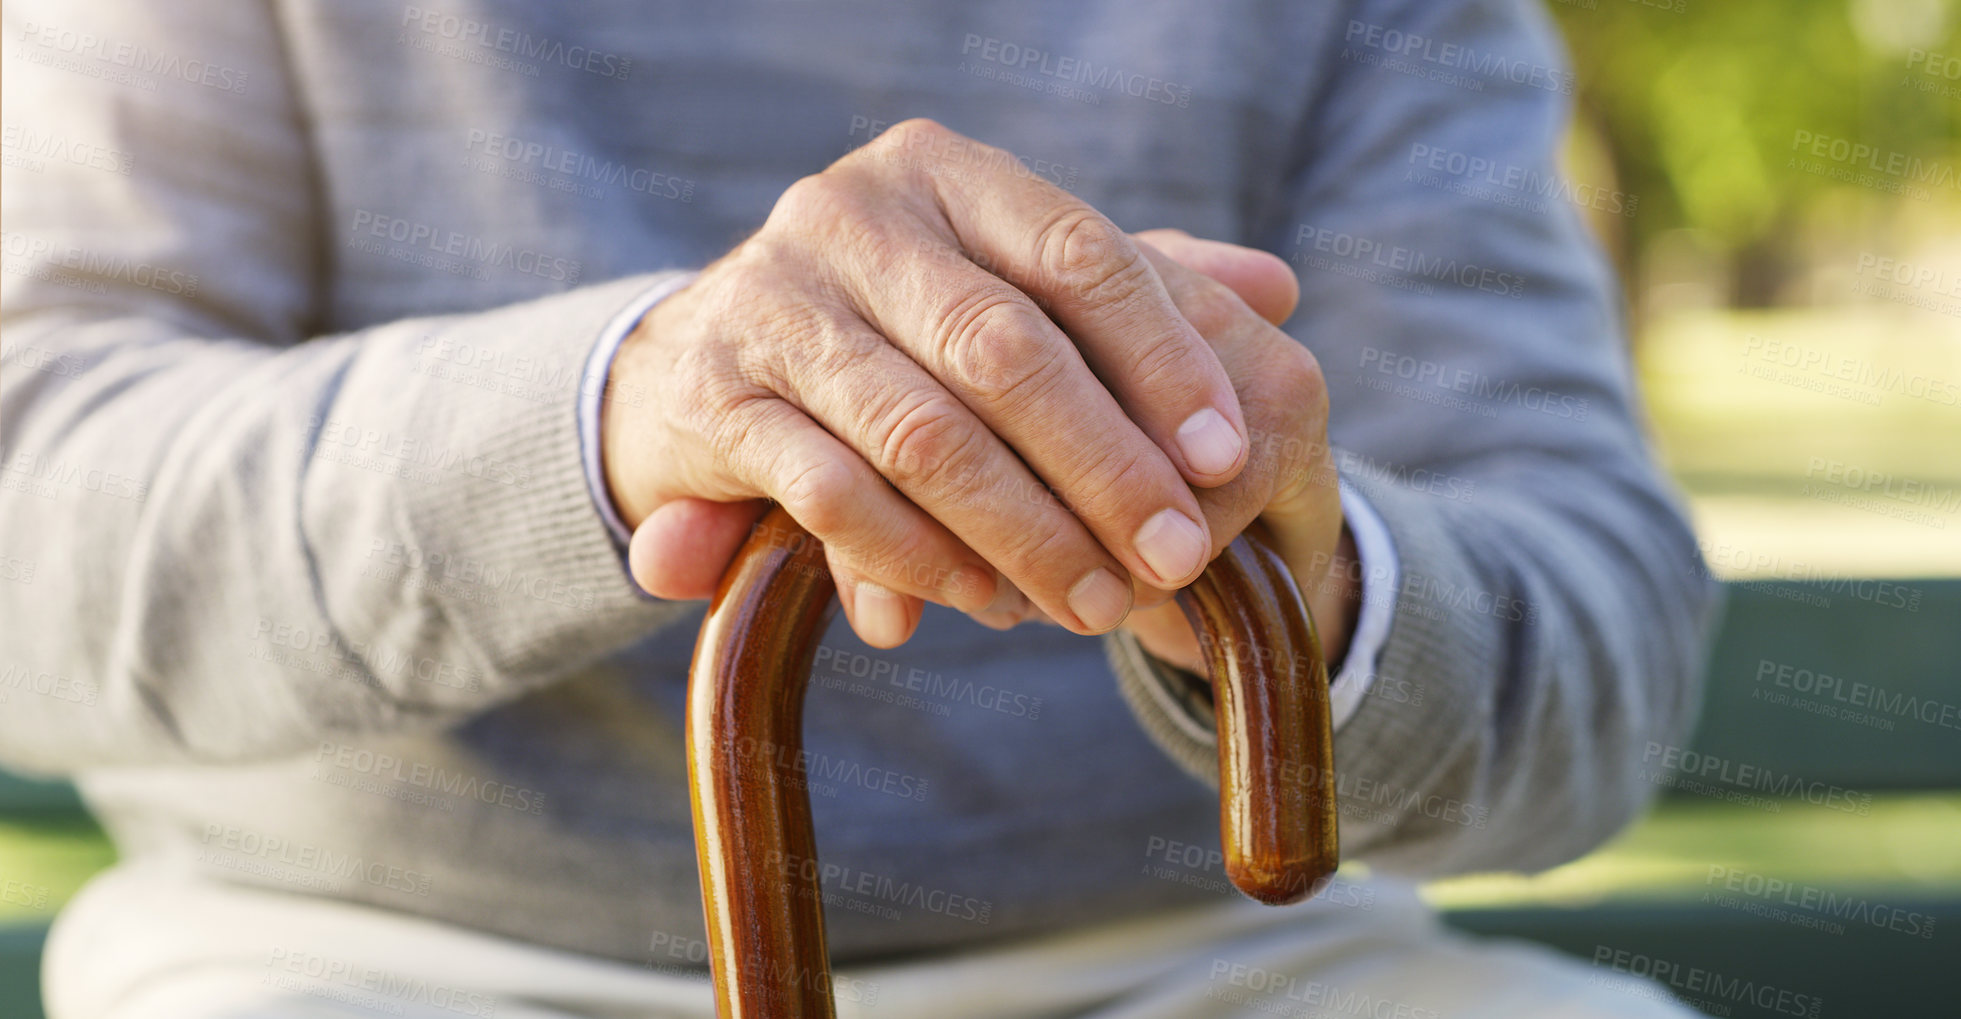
pixel 941 365
pixel 966 382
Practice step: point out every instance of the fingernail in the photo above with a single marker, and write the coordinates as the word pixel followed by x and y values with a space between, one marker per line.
pixel 1100 600
pixel 1209 443
pixel 881 615
pixel 1172 546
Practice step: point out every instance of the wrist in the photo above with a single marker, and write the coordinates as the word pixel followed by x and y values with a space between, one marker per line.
pixel 630 451
pixel 1335 600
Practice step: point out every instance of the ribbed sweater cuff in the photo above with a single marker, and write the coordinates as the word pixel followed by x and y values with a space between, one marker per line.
pixel 567 599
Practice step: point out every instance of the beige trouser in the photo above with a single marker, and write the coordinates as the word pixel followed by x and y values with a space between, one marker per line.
pixel 144 944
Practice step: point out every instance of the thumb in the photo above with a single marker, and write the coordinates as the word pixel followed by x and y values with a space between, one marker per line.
pixel 1262 280
pixel 683 547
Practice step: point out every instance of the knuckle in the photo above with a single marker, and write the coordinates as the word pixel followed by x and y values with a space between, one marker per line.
pixel 1211 308
pixel 818 495
pixel 1090 259
pixel 995 349
pixel 914 131
pixel 1108 482
pixel 817 199
pixel 1295 396
pixel 926 439
pixel 1165 366
pixel 735 435
pixel 1302 380
pixel 1044 555
pixel 897 557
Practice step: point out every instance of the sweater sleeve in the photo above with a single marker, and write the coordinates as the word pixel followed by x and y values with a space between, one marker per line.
pixel 244 535
pixel 1552 613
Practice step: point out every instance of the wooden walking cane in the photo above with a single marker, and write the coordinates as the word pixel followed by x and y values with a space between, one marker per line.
pixel 759 874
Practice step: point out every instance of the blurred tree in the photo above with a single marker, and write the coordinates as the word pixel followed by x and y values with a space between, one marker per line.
pixel 1707 110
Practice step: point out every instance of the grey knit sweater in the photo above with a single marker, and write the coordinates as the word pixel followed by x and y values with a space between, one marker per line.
pixel 312 594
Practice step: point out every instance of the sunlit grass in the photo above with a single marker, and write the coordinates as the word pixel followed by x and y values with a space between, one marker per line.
pixel 44 861
pixel 1906 846
pixel 1754 411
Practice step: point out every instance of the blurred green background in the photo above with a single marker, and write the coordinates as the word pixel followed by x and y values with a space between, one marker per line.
pixel 1793 277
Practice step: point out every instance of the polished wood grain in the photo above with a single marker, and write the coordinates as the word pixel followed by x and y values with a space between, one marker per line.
pixel 1276 751
pixel 753 840
pixel 756 850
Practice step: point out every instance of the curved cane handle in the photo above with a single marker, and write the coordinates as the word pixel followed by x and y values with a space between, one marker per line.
pixel 753 839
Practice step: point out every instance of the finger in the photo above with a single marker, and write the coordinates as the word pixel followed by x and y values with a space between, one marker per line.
pixel 989 346
pixel 1010 608
pixel 1290 476
pixel 881 616
pixel 1165 633
pixel 1092 281
pixel 950 462
pixel 1263 280
pixel 683 547
pixel 841 501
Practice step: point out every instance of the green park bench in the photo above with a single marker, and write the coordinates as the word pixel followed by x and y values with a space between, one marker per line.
pixel 1686 888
